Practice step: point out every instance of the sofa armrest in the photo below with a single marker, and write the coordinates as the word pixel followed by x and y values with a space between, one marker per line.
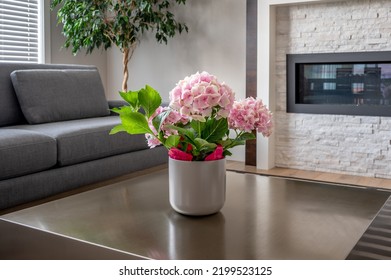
pixel 116 103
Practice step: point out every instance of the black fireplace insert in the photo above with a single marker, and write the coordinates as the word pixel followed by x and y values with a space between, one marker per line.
pixel 339 83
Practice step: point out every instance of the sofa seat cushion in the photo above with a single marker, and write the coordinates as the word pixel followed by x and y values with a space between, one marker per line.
pixel 24 152
pixel 88 139
pixel 50 95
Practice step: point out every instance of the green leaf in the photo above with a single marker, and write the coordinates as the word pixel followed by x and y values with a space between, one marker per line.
pixel 225 143
pixel 198 126
pixel 246 136
pixel 241 140
pixel 215 130
pixel 116 110
pixel 235 143
pixel 135 123
pixel 204 146
pixel 122 110
pixel 184 131
pixel 118 128
pixel 172 141
pixel 132 98
pixel 149 99
pixel 159 119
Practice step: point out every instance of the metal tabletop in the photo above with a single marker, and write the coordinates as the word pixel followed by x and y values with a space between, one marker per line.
pixel 263 218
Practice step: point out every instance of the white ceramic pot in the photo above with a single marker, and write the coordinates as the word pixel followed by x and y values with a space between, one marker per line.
pixel 197 187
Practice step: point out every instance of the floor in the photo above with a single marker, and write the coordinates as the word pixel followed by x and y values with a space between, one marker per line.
pixel 314 176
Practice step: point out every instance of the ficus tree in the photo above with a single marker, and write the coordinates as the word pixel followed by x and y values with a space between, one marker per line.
pixel 92 24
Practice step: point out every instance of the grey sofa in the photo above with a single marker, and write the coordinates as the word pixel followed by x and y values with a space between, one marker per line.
pixel 54 133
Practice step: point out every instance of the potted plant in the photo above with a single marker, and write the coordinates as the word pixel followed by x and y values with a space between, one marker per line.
pixel 196 129
pixel 95 24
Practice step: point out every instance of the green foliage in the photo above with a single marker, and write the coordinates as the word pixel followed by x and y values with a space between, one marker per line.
pixel 101 23
pixel 204 146
pixel 149 99
pixel 132 98
pixel 172 141
pixel 90 24
pixel 215 129
pixel 132 121
pixel 159 120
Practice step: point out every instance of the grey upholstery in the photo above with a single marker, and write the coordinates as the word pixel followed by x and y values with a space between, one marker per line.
pixel 117 103
pixel 10 112
pixel 88 139
pixel 51 95
pixel 43 184
pixel 40 160
pixel 24 152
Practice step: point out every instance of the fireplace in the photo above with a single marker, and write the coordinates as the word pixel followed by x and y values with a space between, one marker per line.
pixel 339 83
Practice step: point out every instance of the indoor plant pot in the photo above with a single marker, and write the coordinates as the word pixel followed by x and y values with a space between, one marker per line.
pixel 197 187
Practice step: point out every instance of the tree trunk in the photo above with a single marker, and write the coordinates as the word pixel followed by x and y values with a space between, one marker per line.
pixel 125 62
pixel 127 55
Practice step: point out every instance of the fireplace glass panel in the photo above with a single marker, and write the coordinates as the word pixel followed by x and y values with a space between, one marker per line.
pixel 357 83
pixel 348 83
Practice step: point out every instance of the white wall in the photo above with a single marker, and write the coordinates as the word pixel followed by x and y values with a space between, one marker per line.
pixel 357 145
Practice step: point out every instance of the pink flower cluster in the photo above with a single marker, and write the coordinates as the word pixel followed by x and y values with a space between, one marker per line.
pixel 198 95
pixel 173 118
pixel 201 97
pixel 179 155
pixel 187 156
pixel 216 154
pixel 251 114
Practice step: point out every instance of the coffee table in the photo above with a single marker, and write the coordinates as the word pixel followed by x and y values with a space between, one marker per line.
pixel 263 218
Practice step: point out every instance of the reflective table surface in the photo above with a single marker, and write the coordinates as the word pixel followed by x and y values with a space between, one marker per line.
pixel 263 218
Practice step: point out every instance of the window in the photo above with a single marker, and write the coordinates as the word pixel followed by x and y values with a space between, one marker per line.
pixel 20 31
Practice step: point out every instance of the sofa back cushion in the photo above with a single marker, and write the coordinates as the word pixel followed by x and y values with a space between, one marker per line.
pixel 10 112
pixel 50 95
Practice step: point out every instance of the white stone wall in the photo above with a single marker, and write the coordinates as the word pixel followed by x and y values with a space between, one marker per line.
pixel 356 145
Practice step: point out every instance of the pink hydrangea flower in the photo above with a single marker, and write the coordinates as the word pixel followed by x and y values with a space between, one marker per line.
pixel 199 95
pixel 174 117
pixel 152 141
pixel 251 114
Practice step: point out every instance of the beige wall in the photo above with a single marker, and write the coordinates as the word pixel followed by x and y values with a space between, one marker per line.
pixel 215 43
